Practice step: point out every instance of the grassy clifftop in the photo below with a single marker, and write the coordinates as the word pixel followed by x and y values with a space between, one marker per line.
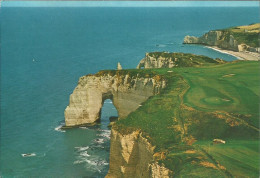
pixel 187 59
pixel 170 60
pixel 248 34
pixel 240 38
pixel 197 106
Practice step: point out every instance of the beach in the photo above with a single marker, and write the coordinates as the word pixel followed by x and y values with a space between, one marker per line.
pixel 249 56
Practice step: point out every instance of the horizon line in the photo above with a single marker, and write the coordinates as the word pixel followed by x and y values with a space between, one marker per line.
pixel 129 3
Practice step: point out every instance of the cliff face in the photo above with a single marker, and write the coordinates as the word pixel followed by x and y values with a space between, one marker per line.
pixel 241 38
pixel 170 60
pixel 214 38
pixel 131 155
pixel 127 93
pixel 152 62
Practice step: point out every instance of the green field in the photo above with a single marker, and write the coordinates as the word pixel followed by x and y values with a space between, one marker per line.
pixel 198 105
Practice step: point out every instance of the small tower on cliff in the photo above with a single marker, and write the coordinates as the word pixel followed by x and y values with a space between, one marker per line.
pixel 119 67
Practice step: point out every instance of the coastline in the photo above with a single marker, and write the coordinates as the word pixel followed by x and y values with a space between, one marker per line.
pixel 248 56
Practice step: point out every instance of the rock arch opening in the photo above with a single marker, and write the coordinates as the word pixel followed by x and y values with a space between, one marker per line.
pixel 108 112
pixel 125 91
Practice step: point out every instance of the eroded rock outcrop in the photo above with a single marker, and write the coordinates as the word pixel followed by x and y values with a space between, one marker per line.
pixel 170 60
pixel 241 38
pixel 214 38
pixel 131 155
pixel 126 90
pixel 119 67
pixel 153 61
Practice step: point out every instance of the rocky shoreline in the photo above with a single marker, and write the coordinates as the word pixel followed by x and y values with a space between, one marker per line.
pixel 235 41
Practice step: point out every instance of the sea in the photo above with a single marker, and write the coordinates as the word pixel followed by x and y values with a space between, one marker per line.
pixel 44 51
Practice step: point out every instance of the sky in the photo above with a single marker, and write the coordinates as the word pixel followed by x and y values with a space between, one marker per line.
pixel 129 3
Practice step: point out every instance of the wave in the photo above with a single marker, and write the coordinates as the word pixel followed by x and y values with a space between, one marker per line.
pixel 84 154
pixel 101 130
pixel 39 155
pixel 99 140
pixel 59 128
pixel 83 127
pixel 28 154
pixel 106 135
pixel 97 162
pixel 92 162
pixel 78 162
pixel 97 147
pixel 89 156
pixel 82 148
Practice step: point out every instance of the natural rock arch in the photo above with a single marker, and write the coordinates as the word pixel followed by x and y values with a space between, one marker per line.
pixel 126 92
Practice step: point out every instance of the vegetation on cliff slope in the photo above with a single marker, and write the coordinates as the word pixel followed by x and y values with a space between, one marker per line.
pixel 197 106
pixel 186 59
pixel 248 34
pixel 230 38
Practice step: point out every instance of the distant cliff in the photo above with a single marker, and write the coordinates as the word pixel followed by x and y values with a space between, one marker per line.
pixel 241 38
pixel 126 89
pixel 170 60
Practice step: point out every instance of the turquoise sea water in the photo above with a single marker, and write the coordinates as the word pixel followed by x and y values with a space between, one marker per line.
pixel 45 50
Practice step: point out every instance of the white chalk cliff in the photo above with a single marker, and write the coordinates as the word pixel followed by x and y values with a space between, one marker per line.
pixel 220 39
pixel 131 155
pixel 214 38
pixel 170 60
pixel 150 61
pixel 125 90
